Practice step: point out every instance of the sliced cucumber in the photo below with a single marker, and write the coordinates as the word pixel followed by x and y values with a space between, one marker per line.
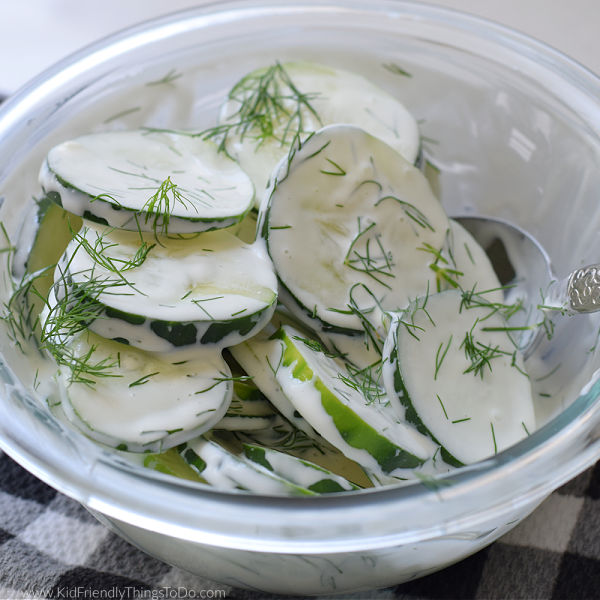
pixel 347 226
pixel 284 437
pixel 249 410
pixel 227 471
pixel 54 227
pixel 301 472
pixel 211 290
pixel 272 105
pixel 140 402
pixel 50 229
pixel 362 428
pixel 459 377
pixel 171 463
pixel 475 271
pixel 259 357
pixel 149 181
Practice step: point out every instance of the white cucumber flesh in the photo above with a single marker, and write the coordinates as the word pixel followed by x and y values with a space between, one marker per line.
pixel 149 181
pixel 142 402
pixel 308 96
pixel 347 227
pixel 362 428
pixel 459 376
pixel 211 290
pixel 475 271
pixel 259 357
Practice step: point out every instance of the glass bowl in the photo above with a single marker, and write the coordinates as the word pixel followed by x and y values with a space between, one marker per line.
pixel 511 127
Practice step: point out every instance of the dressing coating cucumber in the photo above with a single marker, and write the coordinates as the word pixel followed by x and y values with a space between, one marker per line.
pixel 149 181
pixel 347 227
pixel 271 107
pixel 228 471
pixel 212 290
pixel 301 472
pixel 249 410
pixel 459 375
pixel 363 429
pixel 140 402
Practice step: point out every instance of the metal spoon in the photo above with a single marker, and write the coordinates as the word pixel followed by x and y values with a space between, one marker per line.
pixel 524 267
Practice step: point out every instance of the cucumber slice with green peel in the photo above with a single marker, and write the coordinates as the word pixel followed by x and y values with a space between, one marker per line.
pixel 158 295
pixel 43 240
pixel 247 228
pixel 259 357
pixel 333 403
pixel 301 472
pixel 347 226
pixel 171 463
pixel 249 410
pixel 272 106
pixel 228 471
pixel 140 402
pixel 150 181
pixel 284 437
pixel 459 376
pixel 55 228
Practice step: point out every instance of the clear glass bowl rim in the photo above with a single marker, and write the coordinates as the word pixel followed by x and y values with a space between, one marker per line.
pixel 525 473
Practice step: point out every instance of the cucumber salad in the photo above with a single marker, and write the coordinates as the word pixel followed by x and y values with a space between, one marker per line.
pixel 278 303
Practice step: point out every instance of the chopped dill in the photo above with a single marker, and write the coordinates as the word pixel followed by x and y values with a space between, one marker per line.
pixel 396 69
pixel 144 379
pixel 160 206
pixel 442 405
pixel 170 77
pixel 370 257
pixel 440 355
pixel 269 106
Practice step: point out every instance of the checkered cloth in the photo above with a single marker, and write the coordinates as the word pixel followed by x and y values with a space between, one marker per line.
pixel 51 547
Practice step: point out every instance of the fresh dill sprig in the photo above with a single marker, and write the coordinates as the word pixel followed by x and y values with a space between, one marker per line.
pixel 170 77
pixel 98 251
pixel 270 106
pixel 479 354
pixel 370 257
pixel 159 207
pixel 144 379
pixel 367 381
pixel 69 312
pixel 444 272
pixel 222 379
pixel 410 210
pixel 407 320
pixel 18 312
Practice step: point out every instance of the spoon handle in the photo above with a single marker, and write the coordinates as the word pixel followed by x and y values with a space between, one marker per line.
pixel 583 289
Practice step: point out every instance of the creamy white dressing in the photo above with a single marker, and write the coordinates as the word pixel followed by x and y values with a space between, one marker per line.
pixel 475 406
pixel 349 210
pixel 146 403
pixel 307 396
pixel 129 178
pixel 261 357
pixel 228 471
pixel 470 260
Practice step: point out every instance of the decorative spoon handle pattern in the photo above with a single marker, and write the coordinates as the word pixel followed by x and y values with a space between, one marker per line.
pixel 583 289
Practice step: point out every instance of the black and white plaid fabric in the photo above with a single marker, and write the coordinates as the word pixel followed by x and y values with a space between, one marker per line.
pixel 51 547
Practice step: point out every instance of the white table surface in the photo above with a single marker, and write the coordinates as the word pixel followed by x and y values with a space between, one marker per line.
pixel 36 33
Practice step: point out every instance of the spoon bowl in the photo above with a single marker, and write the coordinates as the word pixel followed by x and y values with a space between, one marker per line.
pixel 524 269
